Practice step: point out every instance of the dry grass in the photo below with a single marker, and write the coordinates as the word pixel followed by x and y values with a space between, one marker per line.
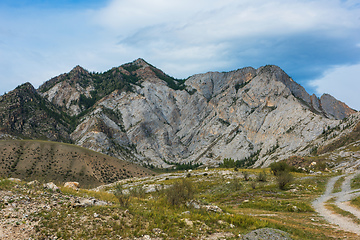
pixel 59 162
pixel 244 209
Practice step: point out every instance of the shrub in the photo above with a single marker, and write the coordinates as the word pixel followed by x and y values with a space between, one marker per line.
pixel 283 179
pixel 278 167
pixel 235 184
pixel 123 198
pixel 246 175
pixel 261 177
pixel 137 191
pixel 180 192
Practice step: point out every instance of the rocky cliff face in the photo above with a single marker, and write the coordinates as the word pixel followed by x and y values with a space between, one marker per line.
pixel 138 113
pixel 24 113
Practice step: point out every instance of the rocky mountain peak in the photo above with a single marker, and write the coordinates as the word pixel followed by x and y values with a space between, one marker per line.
pixel 78 69
pixel 27 86
pixel 23 92
pixel 141 62
pixel 335 108
pixel 139 113
pixel 24 112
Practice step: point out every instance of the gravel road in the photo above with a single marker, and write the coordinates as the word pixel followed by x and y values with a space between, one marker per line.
pixel 342 201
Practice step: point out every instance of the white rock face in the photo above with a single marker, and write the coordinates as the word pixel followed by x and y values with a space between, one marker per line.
pixel 261 115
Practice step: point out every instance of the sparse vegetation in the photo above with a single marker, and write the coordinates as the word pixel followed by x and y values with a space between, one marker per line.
pixel 278 168
pixel 338 184
pixel 163 212
pixel 262 176
pixel 59 162
pixel 284 179
pixel 355 182
pixel 246 175
pixel 123 198
pixel 180 192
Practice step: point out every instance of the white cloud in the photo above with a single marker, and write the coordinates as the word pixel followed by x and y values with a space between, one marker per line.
pixel 169 31
pixel 221 19
pixel 342 82
pixel 182 37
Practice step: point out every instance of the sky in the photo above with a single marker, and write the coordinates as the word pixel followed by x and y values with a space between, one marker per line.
pixel 316 42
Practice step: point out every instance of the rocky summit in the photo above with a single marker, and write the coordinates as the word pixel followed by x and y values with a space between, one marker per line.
pixel 138 113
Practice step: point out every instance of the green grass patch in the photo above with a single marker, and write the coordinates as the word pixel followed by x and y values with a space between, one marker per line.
pixel 101 195
pixel 338 184
pixel 6 184
pixel 356 202
pixel 355 182
pixel 277 205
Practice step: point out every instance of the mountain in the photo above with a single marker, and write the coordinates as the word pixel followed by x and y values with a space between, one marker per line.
pixel 138 113
pixel 24 113
pixel 59 162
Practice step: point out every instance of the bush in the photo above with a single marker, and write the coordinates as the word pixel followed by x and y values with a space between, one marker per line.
pixel 278 167
pixel 235 184
pixel 261 177
pixel 180 192
pixel 283 179
pixel 246 175
pixel 123 198
pixel 138 191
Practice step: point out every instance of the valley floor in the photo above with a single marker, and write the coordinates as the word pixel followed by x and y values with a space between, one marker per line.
pixel 224 205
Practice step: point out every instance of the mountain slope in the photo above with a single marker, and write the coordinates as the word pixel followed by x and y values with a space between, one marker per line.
pixel 137 113
pixel 24 113
pixel 51 161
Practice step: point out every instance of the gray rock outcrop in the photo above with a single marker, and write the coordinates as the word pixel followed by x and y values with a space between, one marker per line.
pixel 256 116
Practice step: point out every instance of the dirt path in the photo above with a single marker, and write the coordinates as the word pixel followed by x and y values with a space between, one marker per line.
pixel 342 201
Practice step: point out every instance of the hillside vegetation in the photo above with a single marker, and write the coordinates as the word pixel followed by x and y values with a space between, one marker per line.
pixel 214 204
pixel 59 162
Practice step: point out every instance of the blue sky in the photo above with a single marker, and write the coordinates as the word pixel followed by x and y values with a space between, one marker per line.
pixel 317 42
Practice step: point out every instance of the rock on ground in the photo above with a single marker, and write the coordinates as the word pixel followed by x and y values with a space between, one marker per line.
pixel 266 233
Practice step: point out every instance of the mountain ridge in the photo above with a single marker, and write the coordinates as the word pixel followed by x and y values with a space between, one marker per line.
pixel 138 113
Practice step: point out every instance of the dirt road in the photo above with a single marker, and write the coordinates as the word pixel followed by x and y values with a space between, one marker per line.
pixel 342 201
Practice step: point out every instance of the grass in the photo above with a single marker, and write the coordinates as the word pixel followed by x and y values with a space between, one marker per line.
pixel 245 208
pixel 356 202
pixel 338 184
pixel 355 182
pixel 100 195
pixel 6 184
pixel 331 206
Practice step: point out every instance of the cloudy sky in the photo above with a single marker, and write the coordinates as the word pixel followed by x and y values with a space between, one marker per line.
pixel 317 42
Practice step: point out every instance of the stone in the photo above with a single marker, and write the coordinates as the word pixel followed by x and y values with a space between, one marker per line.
pixel 188 222
pixel 34 183
pixel 266 233
pixel 87 202
pixel 212 208
pixel 51 186
pixel 193 204
pixel 15 180
pixel 72 185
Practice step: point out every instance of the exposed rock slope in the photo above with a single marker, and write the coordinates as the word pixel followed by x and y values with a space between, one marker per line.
pixel 136 112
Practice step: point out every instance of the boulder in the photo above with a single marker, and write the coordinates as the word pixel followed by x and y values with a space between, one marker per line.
pixel 51 186
pixel 72 185
pixel 33 183
pixel 266 233
pixel 87 202
pixel 14 180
